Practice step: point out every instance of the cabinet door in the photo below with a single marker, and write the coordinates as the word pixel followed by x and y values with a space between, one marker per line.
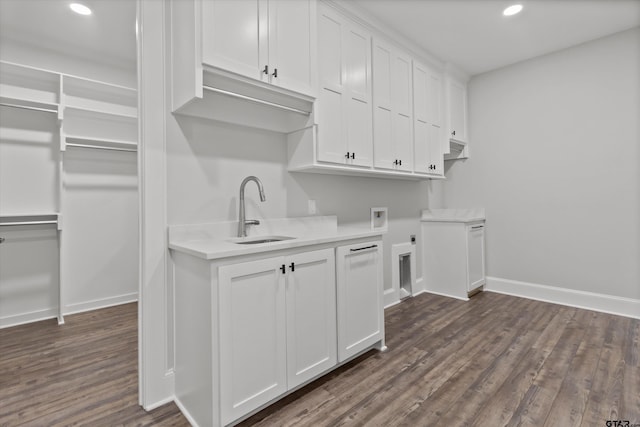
pixel 403 142
pixel 434 98
pixel 234 36
pixel 475 256
pixel 458 111
pixel 360 307
pixel 252 336
pixel 422 135
pixel 311 315
pixel 292 45
pixel 332 144
pixel 384 156
pixel 393 106
pixel 428 146
pixel 358 95
pixel 402 104
pixel 436 158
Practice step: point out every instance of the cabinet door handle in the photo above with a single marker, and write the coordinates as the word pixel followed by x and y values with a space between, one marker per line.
pixel 400 162
pixel 1 239
pixel 362 249
pixel 453 133
pixel 266 69
pixel 353 155
pixel 283 269
pixel 275 73
pixel 476 227
pixel 347 156
pixel 292 266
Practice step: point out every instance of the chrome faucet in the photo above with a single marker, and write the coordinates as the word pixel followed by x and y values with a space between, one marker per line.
pixel 242 222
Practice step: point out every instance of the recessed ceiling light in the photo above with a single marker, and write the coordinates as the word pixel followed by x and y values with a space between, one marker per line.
pixel 512 10
pixel 80 9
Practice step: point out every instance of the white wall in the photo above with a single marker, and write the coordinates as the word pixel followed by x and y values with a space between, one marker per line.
pixel 555 160
pixel 207 161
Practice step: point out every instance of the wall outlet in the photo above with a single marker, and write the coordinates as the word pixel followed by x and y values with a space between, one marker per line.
pixel 312 207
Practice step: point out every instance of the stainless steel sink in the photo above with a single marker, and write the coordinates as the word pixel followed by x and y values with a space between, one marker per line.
pixel 260 239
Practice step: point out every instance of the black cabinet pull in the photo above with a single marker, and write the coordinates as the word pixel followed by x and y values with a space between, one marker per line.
pixel 266 69
pixel 353 155
pixel 347 156
pixel 362 249
pixel 283 269
pixel 275 72
pixel 400 162
pixel 292 266
pixel 453 133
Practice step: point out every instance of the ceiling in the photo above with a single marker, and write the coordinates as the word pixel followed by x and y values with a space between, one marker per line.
pixel 108 35
pixel 476 37
pixel 472 34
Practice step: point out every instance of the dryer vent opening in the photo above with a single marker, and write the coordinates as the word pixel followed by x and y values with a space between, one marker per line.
pixel 404 279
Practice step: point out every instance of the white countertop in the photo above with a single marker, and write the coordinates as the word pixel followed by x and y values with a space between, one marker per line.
pixel 216 240
pixel 453 215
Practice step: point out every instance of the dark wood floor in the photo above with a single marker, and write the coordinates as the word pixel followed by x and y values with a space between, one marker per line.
pixel 495 360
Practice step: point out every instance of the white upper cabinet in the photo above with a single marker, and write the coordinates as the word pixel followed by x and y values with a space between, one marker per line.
pixel 247 62
pixel 457 91
pixel 344 100
pixel 267 40
pixel 393 109
pixel 427 93
pixel 457 139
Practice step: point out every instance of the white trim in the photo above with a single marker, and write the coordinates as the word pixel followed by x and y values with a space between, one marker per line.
pixel 22 318
pixel 159 403
pixel 611 304
pixel 445 295
pixel 100 303
pixel 186 413
pixel 52 313
pixel 392 303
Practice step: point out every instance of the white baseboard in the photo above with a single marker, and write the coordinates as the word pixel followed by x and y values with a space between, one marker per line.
pixel 52 313
pixel 445 295
pixel 159 403
pixel 186 413
pixel 581 299
pixel 22 318
pixel 100 303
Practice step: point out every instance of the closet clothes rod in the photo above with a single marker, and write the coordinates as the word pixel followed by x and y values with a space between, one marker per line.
pixel 28 107
pixel 53 221
pixel 99 147
pixel 256 100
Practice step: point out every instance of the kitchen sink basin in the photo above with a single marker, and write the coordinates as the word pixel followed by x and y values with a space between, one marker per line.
pixel 260 239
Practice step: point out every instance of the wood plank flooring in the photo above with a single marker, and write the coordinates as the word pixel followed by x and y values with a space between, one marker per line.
pixel 495 360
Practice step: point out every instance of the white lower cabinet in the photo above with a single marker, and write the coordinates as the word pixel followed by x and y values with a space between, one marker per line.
pixel 252 336
pixel 277 327
pixel 311 315
pixel 453 257
pixel 360 304
pixel 250 330
pixel 475 256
